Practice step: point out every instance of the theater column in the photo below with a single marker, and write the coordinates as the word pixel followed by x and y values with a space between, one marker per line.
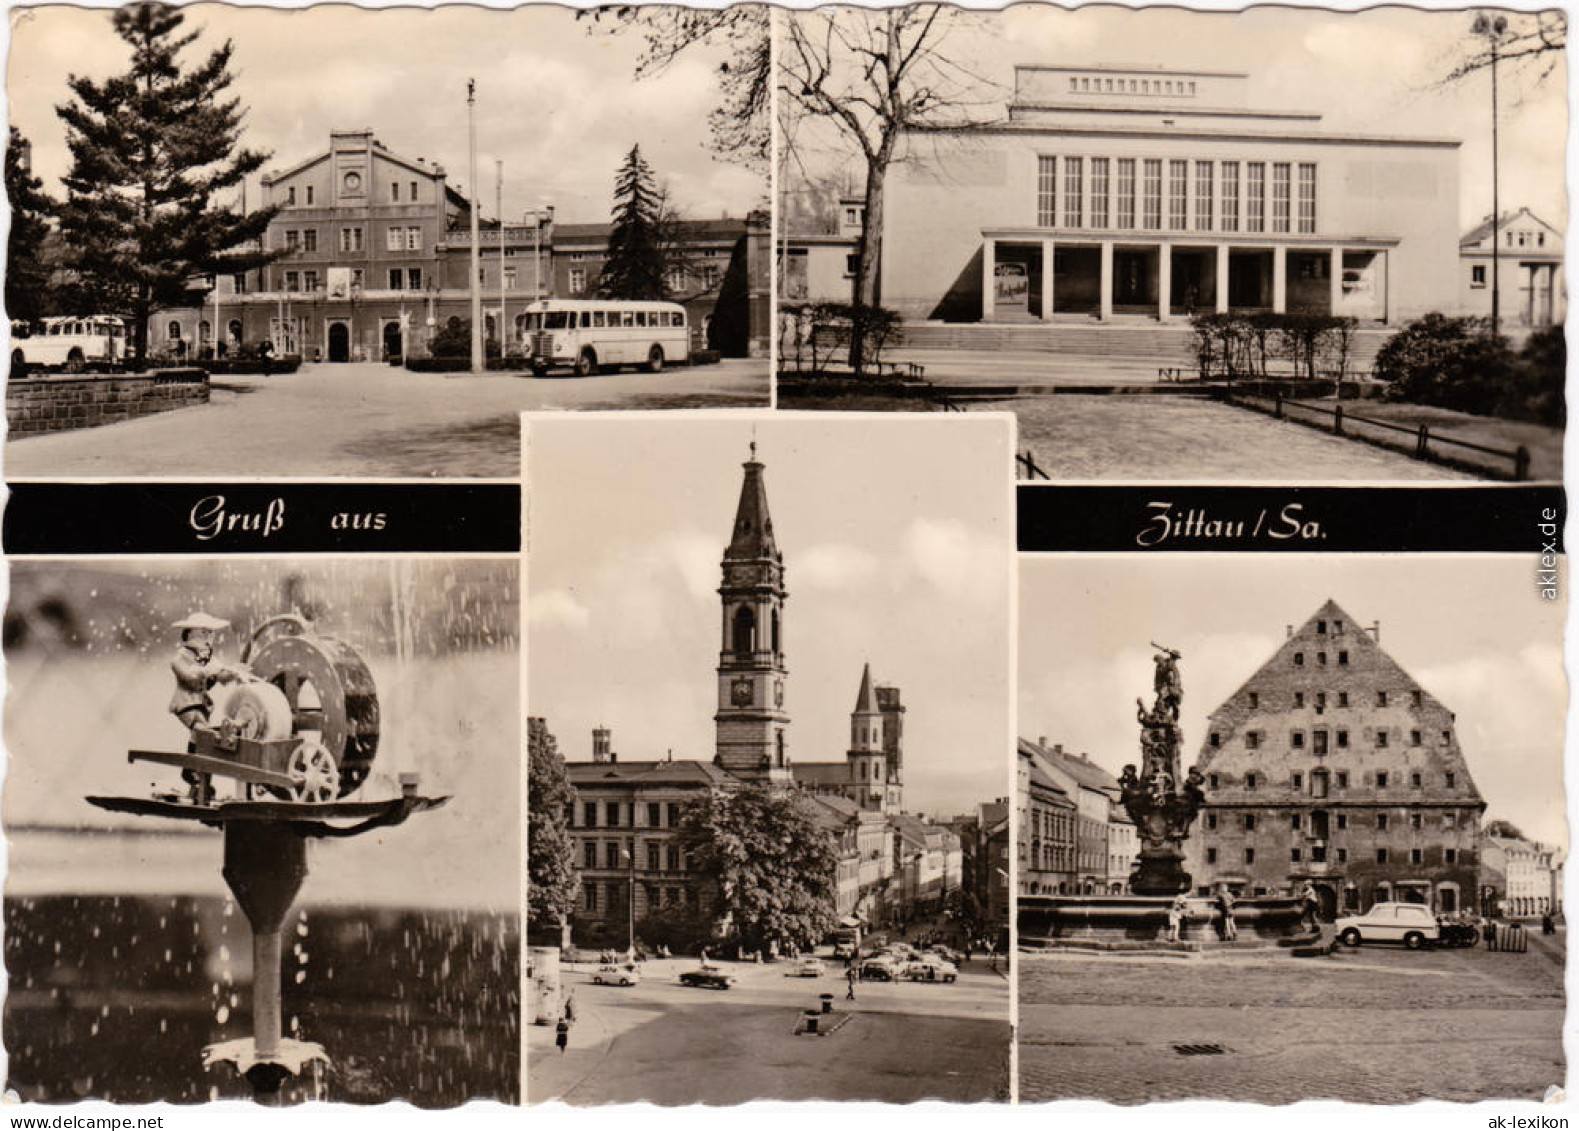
pixel 1047 280
pixel 1164 281
pixel 1105 301
pixel 989 255
pixel 1222 278
pixel 1335 281
pixel 1279 280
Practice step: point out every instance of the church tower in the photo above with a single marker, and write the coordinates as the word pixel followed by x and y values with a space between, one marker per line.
pixel 867 758
pixel 751 721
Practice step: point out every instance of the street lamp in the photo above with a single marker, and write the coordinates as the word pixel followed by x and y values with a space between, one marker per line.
pixel 1492 28
pixel 629 853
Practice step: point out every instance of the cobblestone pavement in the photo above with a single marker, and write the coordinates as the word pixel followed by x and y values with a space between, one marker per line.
pixel 662 1043
pixel 1369 1026
pixel 365 420
pixel 1130 437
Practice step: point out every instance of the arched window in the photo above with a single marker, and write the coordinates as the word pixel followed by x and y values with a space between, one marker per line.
pixel 173 331
pixel 745 637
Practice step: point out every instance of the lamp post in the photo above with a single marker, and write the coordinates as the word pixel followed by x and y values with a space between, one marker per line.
pixel 1492 29
pixel 630 891
pixel 476 256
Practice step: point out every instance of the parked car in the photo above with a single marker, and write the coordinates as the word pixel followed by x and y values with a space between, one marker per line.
pixel 610 975
pixel 806 968
pixel 879 969
pixel 930 968
pixel 1412 924
pixel 946 953
pixel 707 979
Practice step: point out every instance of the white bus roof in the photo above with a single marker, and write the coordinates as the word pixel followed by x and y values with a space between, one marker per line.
pixel 601 304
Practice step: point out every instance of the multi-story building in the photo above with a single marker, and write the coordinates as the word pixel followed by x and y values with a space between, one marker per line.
pixel 375 258
pixel 1048 820
pixel 623 822
pixel 711 263
pixel 1095 793
pixel 1332 764
pixel 1108 191
pixel 1529 271
pixel 1519 877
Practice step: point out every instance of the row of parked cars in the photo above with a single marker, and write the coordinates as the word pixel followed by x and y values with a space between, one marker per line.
pixel 1413 924
pixel 894 962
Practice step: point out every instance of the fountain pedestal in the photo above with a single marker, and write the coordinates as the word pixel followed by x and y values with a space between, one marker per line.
pixel 265 864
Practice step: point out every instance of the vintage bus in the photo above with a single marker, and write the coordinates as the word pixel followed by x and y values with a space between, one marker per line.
pixel 73 344
pixel 591 334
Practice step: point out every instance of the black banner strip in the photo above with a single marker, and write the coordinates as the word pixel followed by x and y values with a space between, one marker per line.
pixel 254 518
pixel 1519 518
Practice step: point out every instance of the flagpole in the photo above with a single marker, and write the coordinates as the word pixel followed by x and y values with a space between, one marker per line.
pixel 476 258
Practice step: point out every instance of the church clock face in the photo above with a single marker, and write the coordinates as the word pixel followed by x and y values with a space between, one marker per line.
pixel 740 692
pixel 778 693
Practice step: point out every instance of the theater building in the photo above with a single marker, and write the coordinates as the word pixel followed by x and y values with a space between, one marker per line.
pixel 1109 192
pixel 1332 765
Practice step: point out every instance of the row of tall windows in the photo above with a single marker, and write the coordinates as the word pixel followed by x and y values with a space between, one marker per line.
pixel 660 857
pixel 1091 192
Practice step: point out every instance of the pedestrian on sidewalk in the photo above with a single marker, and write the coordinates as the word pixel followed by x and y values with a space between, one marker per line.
pixel 570 1007
pixel 850 976
pixel 562 1034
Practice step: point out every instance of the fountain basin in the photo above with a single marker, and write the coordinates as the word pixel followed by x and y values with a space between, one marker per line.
pixel 1140 922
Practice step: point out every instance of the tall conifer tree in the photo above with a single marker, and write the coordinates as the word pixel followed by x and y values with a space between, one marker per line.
pixel 151 150
pixel 26 272
pixel 637 254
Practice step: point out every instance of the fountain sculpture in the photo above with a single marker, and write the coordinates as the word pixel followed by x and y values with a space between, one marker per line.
pixel 297 730
pixel 1163 805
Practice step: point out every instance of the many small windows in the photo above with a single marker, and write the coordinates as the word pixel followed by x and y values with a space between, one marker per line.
pixel 1255 700
pixel 1250 781
pixel 1414 738
pixel 1299 696
pixel 1416 856
pixel 1416 698
pixel 1299 783
pixel 1415 780
pixel 1343 698
pixel 1343 740
pixel 1416 820
pixel 1343 781
pixel 1381 856
pixel 1214 738
pixel 1252 740
pixel 1343 659
pixel 1450 856
pixel 1211 820
pixel 1343 820
pixel 1343 856
pixel 1381 822
pixel 1299 659
pixel 1250 856
pixel 1381 698
pixel 1293 855
pixel 1211 855
pixel 1297 740
pixel 1449 778
pixel 1211 781
pixel 1381 740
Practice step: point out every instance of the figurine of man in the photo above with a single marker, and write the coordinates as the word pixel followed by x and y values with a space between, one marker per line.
pixel 196 670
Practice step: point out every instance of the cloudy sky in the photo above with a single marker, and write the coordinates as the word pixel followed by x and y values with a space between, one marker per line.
pixel 556 100
pixel 895 533
pixel 1471 630
pixel 1370 72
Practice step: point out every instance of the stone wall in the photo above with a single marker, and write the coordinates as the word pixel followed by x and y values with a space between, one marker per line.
pixel 58 402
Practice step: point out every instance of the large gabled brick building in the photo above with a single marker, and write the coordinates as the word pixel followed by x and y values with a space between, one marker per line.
pixel 1332 764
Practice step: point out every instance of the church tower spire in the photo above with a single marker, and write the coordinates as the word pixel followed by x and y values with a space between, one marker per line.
pixel 866 757
pixel 751 721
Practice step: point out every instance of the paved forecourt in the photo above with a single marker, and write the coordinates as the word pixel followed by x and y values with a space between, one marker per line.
pixel 667 1044
pixel 1377 1025
pixel 366 420
pixel 1185 438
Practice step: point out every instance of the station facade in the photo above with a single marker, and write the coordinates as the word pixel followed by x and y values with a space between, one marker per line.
pixel 376 258
pixel 1158 194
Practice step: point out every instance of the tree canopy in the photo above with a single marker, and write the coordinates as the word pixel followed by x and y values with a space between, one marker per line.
pixel 637 253
pixel 152 149
pixel 741 128
pixel 770 868
pixel 1527 40
pixel 552 882
pixel 27 283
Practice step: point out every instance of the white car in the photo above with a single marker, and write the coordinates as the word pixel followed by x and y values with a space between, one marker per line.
pixel 626 975
pixel 1412 924
pixel 930 968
